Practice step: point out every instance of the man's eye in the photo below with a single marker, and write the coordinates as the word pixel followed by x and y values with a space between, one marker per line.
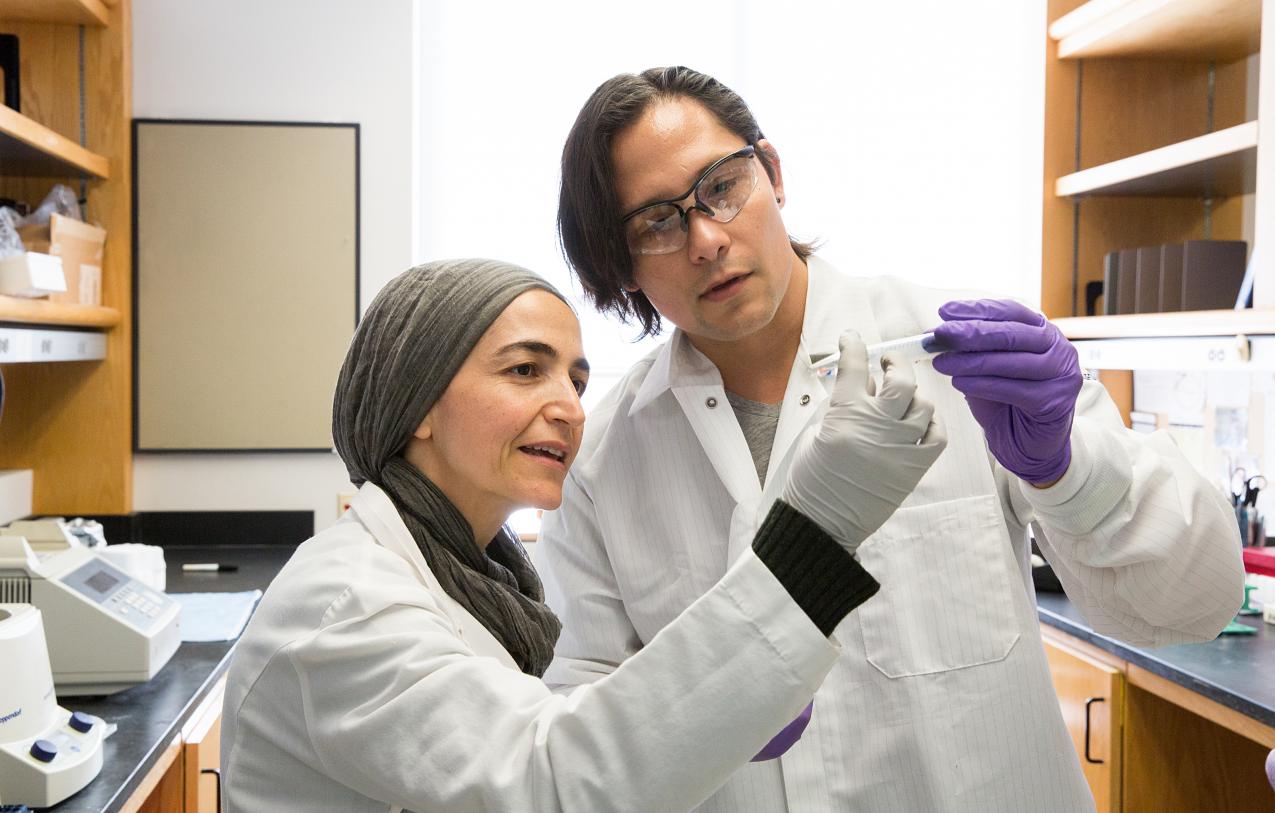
pixel 722 186
pixel 656 225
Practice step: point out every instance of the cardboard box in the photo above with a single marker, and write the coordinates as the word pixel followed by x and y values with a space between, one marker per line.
pixel 31 275
pixel 80 247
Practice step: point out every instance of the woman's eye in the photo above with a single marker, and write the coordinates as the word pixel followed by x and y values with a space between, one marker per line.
pixel 580 384
pixel 524 370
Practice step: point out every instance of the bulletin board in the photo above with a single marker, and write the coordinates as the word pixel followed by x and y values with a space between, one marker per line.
pixel 246 273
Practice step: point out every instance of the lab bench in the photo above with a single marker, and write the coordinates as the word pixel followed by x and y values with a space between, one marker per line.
pixel 169 727
pixel 1182 728
pixel 1177 728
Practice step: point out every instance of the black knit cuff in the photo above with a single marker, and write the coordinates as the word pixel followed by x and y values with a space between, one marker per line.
pixel 820 575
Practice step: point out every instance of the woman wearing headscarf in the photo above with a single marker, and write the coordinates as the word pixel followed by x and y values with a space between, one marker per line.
pixel 394 662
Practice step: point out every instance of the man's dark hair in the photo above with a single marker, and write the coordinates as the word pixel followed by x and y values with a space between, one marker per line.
pixel 589 217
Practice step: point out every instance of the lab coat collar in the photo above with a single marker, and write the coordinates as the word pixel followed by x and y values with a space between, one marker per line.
pixel 678 364
pixel 377 512
pixel 374 508
pixel 832 302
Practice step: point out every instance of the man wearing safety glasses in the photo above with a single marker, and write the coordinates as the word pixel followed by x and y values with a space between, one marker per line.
pixel 671 209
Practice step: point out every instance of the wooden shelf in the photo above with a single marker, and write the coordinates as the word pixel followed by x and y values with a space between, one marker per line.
pixel 1250 322
pixel 31 149
pixel 66 12
pixel 1219 164
pixel 1222 30
pixel 43 312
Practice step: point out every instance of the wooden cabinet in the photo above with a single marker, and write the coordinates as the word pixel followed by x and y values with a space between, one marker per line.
pixel 186 779
pixel 1149 745
pixel 201 755
pixel 71 422
pixel 1091 693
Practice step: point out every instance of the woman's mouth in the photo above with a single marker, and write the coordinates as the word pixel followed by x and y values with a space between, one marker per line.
pixel 550 455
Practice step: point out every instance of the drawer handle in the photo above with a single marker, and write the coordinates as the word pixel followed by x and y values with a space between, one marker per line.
pixel 1088 705
pixel 217 773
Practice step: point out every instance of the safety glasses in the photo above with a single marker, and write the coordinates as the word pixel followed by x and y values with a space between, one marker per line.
pixel 720 193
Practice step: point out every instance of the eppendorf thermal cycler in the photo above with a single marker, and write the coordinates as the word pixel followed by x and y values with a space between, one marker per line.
pixel 106 631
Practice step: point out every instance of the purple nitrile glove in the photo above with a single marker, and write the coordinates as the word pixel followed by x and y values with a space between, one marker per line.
pixel 787 738
pixel 1020 377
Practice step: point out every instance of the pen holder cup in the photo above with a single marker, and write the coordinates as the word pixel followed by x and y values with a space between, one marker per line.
pixel 1255 529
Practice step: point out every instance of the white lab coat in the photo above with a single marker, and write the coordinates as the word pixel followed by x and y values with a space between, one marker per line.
pixel 359 685
pixel 942 699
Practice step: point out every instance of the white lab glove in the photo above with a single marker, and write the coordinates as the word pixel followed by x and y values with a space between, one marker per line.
pixel 852 471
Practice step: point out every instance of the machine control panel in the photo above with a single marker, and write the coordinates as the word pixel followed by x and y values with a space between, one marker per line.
pixel 118 593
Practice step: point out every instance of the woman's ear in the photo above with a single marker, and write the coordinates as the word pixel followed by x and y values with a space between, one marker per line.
pixel 424 430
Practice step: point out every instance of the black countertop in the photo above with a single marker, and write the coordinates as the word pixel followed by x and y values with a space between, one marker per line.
pixel 150 715
pixel 1234 670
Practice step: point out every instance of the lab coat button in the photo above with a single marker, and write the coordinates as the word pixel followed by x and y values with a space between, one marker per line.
pixel 711 402
pixel 805 399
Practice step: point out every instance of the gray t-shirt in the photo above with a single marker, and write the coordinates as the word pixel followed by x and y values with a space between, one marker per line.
pixel 759 422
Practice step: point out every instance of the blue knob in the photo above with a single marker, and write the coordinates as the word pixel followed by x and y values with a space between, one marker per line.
pixel 44 750
pixel 81 722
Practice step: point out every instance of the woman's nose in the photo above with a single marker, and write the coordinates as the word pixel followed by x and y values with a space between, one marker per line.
pixel 566 407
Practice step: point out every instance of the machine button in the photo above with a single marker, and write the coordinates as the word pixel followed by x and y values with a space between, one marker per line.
pixel 81 722
pixel 44 750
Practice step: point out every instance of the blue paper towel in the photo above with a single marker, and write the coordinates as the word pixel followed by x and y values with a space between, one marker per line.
pixel 215 616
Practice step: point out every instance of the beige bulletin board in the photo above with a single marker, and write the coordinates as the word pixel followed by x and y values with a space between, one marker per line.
pixel 246 281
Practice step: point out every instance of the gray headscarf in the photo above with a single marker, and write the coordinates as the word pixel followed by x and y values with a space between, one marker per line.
pixel 412 340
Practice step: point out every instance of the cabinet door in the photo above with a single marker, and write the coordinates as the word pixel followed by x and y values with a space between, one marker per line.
pixel 202 754
pixel 1091 694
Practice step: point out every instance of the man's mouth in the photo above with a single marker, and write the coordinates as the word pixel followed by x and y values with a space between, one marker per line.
pixel 726 288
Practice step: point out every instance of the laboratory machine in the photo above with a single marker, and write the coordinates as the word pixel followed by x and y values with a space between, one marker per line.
pixel 47 753
pixel 106 631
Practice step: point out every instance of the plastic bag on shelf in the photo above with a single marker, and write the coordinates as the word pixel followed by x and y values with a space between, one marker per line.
pixel 10 242
pixel 60 200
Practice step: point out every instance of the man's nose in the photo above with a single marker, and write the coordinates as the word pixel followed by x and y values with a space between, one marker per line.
pixel 706 239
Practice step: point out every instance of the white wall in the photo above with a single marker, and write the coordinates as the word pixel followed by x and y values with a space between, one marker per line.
pixel 283 60
pixel 910 133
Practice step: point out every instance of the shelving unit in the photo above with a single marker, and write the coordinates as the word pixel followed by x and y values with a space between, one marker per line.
pixel 1218 164
pixel 1154 135
pixel 31 149
pixel 70 421
pixel 62 12
pixel 1181 29
pixel 43 312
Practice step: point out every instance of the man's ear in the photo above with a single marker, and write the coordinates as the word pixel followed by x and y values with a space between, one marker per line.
pixel 776 173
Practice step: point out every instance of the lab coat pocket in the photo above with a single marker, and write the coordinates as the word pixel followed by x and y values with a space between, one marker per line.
pixel 944 602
